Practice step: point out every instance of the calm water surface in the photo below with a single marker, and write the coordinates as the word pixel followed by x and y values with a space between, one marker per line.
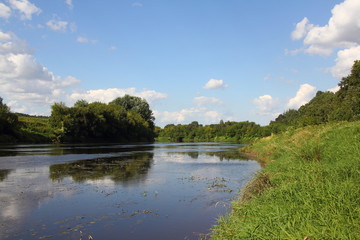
pixel 112 191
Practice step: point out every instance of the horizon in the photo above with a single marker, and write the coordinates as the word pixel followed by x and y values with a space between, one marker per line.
pixel 205 62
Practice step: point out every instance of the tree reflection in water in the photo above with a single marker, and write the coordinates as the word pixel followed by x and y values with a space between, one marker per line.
pixel 4 173
pixel 222 155
pixel 119 169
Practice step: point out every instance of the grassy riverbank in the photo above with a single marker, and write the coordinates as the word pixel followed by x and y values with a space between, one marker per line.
pixel 309 188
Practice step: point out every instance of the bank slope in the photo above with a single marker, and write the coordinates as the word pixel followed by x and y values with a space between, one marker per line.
pixel 308 189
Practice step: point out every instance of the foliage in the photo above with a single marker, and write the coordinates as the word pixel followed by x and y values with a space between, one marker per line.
pixel 136 105
pixel 9 122
pixel 344 105
pixel 119 169
pixel 34 129
pixel 99 122
pixel 222 132
pixel 309 187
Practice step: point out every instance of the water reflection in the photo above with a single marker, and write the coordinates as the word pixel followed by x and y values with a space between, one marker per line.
pixel 112 191
pixel 64 149
pixel 118 169
pixel 221 155
pixel 4 173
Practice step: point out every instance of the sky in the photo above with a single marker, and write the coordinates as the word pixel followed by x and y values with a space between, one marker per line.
pixel 204 61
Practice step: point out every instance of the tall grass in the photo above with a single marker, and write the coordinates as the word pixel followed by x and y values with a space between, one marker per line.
pixel 308 189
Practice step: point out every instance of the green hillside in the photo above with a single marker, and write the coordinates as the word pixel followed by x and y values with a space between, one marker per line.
pixel 308 189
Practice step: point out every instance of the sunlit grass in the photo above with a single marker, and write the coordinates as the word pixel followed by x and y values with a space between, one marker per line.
pixel 309 188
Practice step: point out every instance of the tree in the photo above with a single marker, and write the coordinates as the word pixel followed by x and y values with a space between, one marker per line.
pixel 348 107
pixel 98 122
pixel 137 105
pixel 9 123
pixel 353 80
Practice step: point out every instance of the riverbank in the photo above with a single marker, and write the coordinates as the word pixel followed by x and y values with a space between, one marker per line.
pixel 308 189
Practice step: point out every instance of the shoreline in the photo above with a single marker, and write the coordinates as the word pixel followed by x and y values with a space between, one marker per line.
pixel 307 173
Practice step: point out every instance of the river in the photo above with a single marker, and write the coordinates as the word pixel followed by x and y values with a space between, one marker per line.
pixel 118 191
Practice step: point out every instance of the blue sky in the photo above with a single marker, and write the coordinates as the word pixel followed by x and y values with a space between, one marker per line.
pixel 191 60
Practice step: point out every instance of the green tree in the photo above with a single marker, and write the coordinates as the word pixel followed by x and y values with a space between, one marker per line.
pixel 137 105
pixel 98 122
pixel 9 123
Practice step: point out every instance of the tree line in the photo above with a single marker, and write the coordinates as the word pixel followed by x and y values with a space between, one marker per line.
pixel 222 132
pixel 344 105
pixel 126 118
pixel 129 118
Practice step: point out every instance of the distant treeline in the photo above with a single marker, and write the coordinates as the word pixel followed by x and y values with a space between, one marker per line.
pixel 126 118
pixel 344 105
pixel 222 132
pixel 129 118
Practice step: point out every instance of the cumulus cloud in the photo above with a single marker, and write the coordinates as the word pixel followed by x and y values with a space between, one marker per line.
pixel 29 87
pixel 215 84
pixel 344 62
pixel 301 29
pixel 334 89
pixel 207 101
pixel 5 11
pixel 26 83
pixel 305 93
pixel 26 8
pixel 341 33
pixel 107 95
pixel 57 25
pixel 188 115
pixel 342 30
pixel 266 105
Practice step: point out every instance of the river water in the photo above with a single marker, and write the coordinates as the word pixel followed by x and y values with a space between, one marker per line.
pixel 111 191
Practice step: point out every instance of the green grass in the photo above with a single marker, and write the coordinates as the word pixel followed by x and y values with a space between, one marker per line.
pixel 35 129
pixel 308 189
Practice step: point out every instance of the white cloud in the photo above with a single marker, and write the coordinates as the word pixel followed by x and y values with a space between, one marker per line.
pixel 188 115
pixel 344 62
pixel 301 29
pixel 212 117
pixel 215 84
pixel 69 3
pixel 28 85
pixel 113 48
pixel 57 25
pixel 85 40
pixel 334 89
pixel 107 95
pixel 11 44
pixel 342 30
pixel 26 8
pixel 206 101
pixel 341 33
pixel 5 11
pixel 305 93
pixel 266 105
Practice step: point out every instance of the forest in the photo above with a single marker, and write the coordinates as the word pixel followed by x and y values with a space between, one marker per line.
pixel 130 118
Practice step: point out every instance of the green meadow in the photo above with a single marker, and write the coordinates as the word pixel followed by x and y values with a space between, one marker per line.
pixel 309 187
